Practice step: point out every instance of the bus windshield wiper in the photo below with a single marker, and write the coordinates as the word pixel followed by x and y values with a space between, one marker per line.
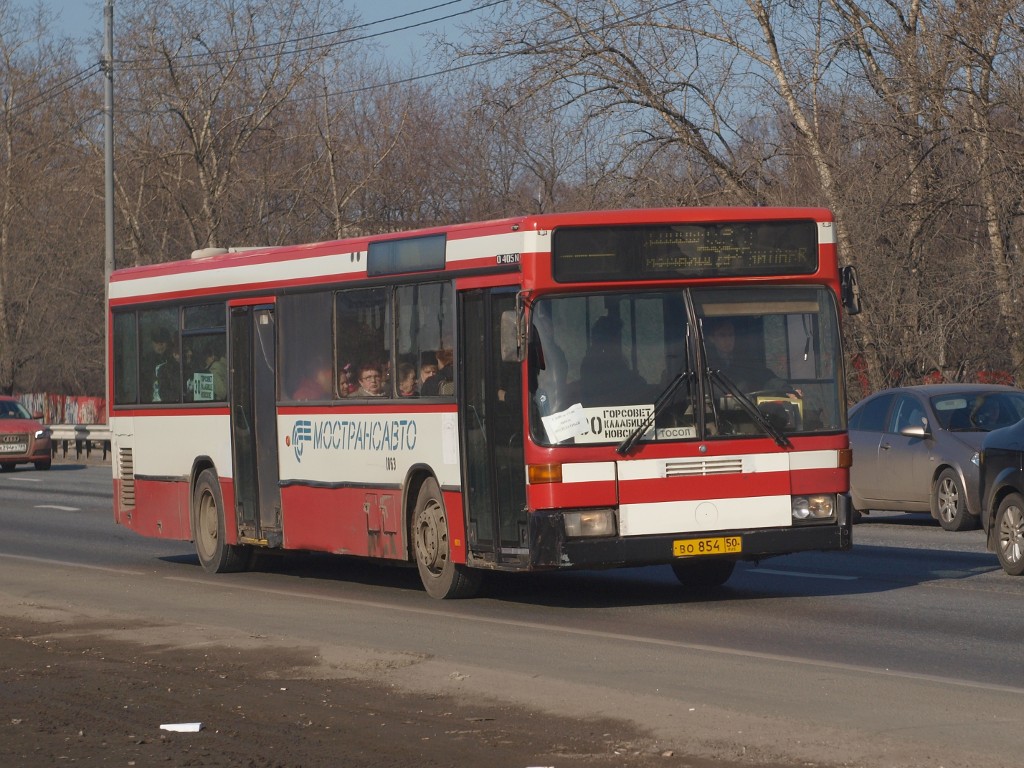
pixel 750 407
pixel 666 395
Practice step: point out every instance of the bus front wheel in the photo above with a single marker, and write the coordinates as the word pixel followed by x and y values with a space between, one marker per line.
pixel 442 578
pixel 215 555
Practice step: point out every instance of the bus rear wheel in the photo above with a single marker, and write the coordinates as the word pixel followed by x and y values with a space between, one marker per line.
pixel 215 555
pixel 702 574
pixel 442 578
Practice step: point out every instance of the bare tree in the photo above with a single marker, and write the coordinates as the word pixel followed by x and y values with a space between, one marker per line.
pixel 207 81
pixel 41 202
pixel 988 42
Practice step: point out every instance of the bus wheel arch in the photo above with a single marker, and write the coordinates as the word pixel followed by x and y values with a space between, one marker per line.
pixel 208 526
pixel 431 546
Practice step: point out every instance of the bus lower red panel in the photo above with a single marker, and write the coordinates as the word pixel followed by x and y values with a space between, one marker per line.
pixel 344 521
pixel 161 509
pixel 359 521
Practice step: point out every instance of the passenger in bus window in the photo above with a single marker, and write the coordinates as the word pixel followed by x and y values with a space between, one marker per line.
pixel 216 366
pixel 317 386
pixel 371 381
pixel 428 367
pixel 167 369
pixel 442 382
pixel 347 384
pixel 407 380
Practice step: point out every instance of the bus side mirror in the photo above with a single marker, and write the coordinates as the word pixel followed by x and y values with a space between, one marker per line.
pixel 849 290
pixel 511 349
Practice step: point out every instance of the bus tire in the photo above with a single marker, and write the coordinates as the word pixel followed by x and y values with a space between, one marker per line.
pixel 701 574
pixel 442 578
pixel 215 555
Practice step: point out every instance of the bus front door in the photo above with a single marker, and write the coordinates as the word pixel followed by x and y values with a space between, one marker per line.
pixel 492 419
pixel 254 425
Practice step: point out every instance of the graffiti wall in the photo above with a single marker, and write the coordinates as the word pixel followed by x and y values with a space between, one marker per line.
pixel 66 409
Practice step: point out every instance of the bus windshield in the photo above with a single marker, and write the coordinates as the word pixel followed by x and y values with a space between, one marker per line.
pixel 686 364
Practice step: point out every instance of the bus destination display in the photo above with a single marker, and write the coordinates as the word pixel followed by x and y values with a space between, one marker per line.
pixel 685 251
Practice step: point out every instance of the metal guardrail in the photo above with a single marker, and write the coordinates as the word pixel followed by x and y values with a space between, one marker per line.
pixel 84 436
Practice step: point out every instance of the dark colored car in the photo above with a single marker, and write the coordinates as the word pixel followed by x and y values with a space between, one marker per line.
pixel 23 439
pixel 1002 493
pixel 915 449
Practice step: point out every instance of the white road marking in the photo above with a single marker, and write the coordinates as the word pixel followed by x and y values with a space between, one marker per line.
pixel 802 575
pixel 58 506
pixel 26 479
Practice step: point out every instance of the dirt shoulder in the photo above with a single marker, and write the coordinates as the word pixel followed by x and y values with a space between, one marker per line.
pixel 73 695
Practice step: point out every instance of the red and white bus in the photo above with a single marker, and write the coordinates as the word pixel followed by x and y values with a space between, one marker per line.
pixel 577 390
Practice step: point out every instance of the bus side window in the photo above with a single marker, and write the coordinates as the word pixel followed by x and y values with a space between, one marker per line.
pixel 126 359
pixel 160 356
pixel 363 346
pixel 425 326
pixel 306 364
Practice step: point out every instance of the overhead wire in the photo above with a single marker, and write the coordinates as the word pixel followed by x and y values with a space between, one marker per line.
pixel 81 76
pixel 206 56
pixel 57 89
pixel 480 61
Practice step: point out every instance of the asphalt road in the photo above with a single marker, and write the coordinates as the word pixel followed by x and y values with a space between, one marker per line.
pixel 902 652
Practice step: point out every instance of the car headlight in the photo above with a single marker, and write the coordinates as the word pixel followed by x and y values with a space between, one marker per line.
pixel 976 459
pixel 813 508
pixel 41 433
pixel 589 522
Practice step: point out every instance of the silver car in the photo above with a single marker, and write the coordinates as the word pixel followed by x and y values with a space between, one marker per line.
pixel 915 449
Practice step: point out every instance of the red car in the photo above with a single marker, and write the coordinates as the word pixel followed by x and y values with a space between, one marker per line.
pixel 23 439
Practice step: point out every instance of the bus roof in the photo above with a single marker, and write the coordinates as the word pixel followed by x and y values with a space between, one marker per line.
pixel 311 263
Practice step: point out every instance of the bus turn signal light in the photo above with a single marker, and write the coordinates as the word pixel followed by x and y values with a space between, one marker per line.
pixel 538 474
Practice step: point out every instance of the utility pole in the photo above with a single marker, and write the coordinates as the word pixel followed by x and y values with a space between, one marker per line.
pixel 108 168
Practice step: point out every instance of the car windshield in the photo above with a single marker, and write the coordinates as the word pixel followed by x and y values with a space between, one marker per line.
pixel 10 409
pixel 978 411
pixel 634 366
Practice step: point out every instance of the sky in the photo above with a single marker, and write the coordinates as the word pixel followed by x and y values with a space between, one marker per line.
pixel 84 19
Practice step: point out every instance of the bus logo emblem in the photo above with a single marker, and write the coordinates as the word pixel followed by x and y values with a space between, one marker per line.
pixel 302 432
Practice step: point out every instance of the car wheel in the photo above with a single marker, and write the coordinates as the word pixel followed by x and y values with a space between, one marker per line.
pixel 701 574
pixel 442 578
pixel 42 466
pixel 7 467
pixel 949 503
pixel 1009 531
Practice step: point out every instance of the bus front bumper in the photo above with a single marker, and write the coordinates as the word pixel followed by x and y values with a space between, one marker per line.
pixel 551 548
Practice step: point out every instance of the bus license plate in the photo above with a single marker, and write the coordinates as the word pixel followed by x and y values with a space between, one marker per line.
pixel 720 545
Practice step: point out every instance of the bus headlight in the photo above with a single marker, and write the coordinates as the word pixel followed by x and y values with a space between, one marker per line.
pixel 811 508
pixel 589 522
